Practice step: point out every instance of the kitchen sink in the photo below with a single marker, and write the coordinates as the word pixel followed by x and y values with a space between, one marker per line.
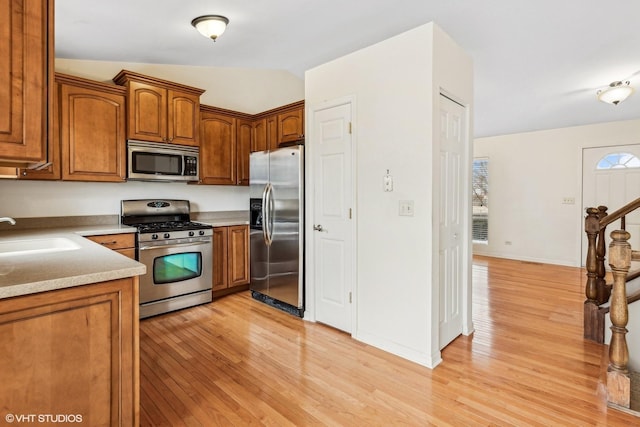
pixel 36 246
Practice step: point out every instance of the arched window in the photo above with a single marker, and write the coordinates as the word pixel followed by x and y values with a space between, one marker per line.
pixel 618 161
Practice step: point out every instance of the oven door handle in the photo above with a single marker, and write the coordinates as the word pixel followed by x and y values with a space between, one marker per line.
pixel 180 245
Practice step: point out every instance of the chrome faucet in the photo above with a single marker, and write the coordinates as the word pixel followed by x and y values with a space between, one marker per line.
pixel 8 219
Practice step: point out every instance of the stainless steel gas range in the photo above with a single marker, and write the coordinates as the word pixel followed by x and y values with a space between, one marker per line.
pixel 176 251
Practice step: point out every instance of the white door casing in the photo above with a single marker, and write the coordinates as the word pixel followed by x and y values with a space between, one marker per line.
pixel 451 223
pixel 611 187
pixel 333 216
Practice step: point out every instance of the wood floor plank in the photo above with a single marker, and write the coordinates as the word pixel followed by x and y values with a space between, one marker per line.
pixel 239 362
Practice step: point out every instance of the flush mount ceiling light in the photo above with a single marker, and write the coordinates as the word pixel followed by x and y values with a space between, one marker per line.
pixel 615 93
pixel 210 26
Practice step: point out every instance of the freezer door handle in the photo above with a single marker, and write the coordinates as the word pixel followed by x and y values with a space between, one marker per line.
pixel 265 214
pixel 269 219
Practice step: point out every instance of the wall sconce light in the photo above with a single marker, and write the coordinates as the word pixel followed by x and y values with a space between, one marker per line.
pixel 210 26
pixel 615 93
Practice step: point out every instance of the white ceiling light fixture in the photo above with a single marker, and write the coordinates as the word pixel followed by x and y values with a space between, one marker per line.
pixel 211 26
pixel 615 93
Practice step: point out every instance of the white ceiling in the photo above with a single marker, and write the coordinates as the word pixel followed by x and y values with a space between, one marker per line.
pixel 537 63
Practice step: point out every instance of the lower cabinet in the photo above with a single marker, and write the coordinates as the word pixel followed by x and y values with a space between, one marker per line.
pixel 72 354
pixel 122 243
pixel 230 259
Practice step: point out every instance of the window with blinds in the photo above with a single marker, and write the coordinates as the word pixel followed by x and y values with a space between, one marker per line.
pixel 480 196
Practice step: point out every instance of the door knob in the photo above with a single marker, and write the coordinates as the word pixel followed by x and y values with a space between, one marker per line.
pixel 318 227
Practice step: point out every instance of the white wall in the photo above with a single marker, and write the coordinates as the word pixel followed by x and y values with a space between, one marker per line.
pixel 244 90
pixel 529 175
pixel 392 83
pixel 28 199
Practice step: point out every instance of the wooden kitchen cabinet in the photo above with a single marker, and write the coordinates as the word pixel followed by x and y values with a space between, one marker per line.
pixel 225 143
pixel 26 49
pixel 160 110
pixel 244 132
pixel 124 243
pixel 291 125
pixel 265 133
pixel 218 147
pixel 230 259
pixel 92 120
pixel 73 351
pixel 279 127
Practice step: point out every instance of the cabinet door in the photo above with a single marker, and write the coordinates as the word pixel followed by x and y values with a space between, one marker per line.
pixel 73 351
pixel 217 149
pixel 92 134
pixel 244 150
pixel 238 253
pixel 23 86
pixel 272 132
pixel 183 115
pixel 53 170
pixel 291 126
pixel 220 270
pixel 147 112
pixel 259 141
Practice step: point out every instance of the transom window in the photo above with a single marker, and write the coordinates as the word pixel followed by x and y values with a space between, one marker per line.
pixel 618 161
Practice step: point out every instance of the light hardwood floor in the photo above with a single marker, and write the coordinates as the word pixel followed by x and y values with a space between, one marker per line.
pixel 239 362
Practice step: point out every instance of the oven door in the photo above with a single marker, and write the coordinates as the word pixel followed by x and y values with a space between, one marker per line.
pixel 175 269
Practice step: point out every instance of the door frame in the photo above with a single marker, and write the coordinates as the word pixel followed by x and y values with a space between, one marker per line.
pixel 309 275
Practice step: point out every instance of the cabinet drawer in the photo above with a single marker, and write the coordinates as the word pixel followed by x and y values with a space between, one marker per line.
pixel 130 252
pixel 115 241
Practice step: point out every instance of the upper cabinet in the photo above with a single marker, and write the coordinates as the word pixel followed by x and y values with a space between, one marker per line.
pixel 291 125
pixel 243 132
pixel 278 127
pixel 160 110
pixel 225 142
pixel 26 49
pixel 92 124
pixel 217 148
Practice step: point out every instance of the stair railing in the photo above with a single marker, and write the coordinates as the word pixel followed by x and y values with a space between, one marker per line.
pixel 598 292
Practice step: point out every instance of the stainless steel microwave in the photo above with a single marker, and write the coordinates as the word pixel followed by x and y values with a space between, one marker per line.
pixel 150 161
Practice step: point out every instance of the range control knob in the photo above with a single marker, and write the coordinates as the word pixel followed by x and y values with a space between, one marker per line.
pixel 166 235
pixel 191 233
pixel 154 236
pixel 201 232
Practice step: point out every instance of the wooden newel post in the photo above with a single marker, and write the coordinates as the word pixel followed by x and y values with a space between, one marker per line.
pixel 592 228
pixel 618 380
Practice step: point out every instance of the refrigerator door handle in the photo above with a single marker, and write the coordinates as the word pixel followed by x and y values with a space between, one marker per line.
pixel 265 214
pixel 269 210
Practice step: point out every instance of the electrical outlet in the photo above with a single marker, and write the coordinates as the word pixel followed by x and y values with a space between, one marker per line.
pixel 405 207
pixel 388 183
pixel 568 200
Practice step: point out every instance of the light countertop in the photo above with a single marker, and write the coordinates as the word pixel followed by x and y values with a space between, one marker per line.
pixel 90 262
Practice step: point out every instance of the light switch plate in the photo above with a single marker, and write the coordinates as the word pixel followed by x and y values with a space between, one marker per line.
pixel 405 207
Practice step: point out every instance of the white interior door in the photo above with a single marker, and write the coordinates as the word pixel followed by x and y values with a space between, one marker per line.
pixel 332 235
pixel 452 140
pixel 611 177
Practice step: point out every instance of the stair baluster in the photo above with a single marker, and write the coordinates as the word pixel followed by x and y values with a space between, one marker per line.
pixel 618 378
pixel 593 325
pixel 603 290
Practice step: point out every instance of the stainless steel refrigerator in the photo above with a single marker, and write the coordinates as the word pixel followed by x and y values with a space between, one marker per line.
pixel 277 212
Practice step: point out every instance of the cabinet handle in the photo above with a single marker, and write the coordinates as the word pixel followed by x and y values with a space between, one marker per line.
pixel 108 243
